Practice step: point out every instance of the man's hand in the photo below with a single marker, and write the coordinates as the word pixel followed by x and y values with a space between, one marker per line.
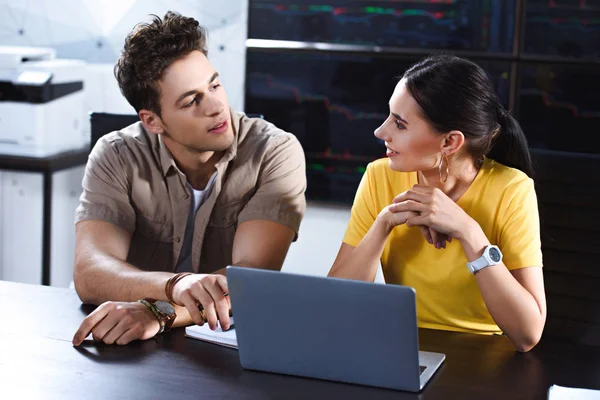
pixel 208 291
pixel 120 323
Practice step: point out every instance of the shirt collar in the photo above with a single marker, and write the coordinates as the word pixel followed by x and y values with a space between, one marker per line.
pixel 166 158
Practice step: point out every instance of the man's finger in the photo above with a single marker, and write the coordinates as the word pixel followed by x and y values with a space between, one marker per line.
pixel 128 336
pixel 113 334
pixel 220 304
pixel 208 303
pixel 191 304
pixel 222 280
pixel 90 322
pixel 103 327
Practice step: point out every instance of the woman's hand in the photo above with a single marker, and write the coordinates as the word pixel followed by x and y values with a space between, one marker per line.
pixel 391 218
pixel 434 210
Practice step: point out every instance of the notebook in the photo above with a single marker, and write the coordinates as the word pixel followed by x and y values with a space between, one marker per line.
pixel 567 393
pixel 220 337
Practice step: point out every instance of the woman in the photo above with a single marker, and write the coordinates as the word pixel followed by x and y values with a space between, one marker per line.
pixel 452 212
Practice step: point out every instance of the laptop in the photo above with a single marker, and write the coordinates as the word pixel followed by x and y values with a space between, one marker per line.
pixel 329 328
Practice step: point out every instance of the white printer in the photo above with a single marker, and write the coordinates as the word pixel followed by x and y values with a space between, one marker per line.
pixel 41 100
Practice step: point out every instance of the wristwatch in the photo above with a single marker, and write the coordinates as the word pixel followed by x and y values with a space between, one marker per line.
pixel 163 311
pixel 491 256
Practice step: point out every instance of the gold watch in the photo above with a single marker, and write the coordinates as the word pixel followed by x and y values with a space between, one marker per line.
pixel 163 311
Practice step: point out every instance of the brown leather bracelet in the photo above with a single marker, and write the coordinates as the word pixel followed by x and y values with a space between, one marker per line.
pixel 171 284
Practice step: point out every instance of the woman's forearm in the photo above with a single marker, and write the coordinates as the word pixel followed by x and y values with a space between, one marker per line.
pixel 361 264
pixel 513 308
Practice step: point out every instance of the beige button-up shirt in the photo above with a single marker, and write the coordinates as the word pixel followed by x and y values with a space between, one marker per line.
pixel 132 181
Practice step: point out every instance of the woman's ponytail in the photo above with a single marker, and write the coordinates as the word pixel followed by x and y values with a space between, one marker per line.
pixel 509 147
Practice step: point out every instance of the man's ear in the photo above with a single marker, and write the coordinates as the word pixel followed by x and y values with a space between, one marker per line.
pixel 151 121
pixel 453 142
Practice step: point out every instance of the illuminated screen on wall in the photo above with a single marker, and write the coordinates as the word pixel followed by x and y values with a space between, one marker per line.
pixel 563 28
pixel 471 25
pixel 333 103
pixel 559 106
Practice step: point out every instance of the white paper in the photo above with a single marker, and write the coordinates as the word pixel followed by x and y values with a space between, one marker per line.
pixel 227 338
pixel 566 393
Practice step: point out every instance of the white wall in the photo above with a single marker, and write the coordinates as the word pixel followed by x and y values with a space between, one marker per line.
pixel 319 240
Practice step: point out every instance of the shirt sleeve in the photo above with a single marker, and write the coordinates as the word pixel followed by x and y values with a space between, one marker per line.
pixel 520 241
pixel 281 186
pixel 106 188
pixel 364 210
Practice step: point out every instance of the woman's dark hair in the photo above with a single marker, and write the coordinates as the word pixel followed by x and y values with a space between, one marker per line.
pixel 456 94
pixel 150 49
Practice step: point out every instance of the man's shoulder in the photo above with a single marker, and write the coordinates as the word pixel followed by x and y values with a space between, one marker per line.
pixel 131 140
pixel 256 134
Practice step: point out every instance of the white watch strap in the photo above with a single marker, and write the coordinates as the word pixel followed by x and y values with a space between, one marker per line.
pixel 484 261
pixel 480 263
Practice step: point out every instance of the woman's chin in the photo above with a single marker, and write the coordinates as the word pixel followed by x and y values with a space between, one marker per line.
pixel 396 165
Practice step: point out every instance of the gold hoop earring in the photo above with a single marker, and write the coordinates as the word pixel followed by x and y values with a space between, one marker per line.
pixel 444 157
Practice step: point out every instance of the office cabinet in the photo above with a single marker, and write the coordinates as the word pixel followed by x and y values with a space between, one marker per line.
pixel 22 210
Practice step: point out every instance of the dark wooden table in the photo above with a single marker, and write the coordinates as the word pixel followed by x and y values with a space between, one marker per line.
pixel 37 360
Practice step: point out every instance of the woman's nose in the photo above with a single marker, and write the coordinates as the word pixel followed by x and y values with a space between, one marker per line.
pixel 380 133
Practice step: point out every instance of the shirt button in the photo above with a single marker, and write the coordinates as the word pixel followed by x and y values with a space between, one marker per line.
pixel 177 240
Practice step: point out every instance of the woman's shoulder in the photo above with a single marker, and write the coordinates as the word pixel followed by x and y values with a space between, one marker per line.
pixel 380 166
pixel 507 181
pixel 505 176
pixel 379 171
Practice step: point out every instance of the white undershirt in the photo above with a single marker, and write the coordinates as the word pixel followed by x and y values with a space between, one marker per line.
pixel 184 264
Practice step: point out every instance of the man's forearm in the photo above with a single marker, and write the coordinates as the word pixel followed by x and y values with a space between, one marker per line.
pixel 106 278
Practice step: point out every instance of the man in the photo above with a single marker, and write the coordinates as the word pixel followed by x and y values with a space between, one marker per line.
pixel 170 201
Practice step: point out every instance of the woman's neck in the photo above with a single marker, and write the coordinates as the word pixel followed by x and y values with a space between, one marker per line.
pixel 461 173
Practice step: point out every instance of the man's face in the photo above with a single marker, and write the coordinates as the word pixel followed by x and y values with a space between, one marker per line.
pixel 194 106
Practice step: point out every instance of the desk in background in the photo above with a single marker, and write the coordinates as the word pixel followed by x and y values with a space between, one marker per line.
pixel 38 361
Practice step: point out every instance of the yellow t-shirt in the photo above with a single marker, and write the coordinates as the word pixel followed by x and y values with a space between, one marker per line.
pixel 501 199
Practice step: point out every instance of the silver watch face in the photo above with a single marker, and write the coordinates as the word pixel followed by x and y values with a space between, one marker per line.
pixel 164 307
pixel 494 254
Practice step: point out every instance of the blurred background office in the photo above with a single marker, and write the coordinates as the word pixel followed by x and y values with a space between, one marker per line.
pixel 323 70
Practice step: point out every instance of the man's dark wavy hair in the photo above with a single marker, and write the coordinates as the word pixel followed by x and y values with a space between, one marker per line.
pixel 149 49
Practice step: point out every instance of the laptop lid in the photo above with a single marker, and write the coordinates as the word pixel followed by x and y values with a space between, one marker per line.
pixel 327 328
